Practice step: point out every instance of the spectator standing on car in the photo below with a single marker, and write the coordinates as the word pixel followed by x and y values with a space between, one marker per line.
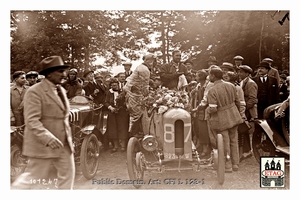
pixel 136 88
pixel 32 77
pixel 172 73
pixel 268 91
pixel 250 89
pixel 17 92
pixel 73 84
pixel 224 116
pixel 47 137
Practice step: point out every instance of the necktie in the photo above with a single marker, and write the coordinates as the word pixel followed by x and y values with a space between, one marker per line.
pixel 59 92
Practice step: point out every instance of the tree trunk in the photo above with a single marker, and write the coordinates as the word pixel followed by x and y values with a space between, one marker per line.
pixel 261 37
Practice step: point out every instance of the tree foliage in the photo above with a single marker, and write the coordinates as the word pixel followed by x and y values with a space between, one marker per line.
pixel 80 37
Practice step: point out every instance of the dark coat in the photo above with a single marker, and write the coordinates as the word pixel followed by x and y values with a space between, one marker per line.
pixel 168 74
pixel 118 123
pixel 272 93
pixel 283 92
pixel 272 90
pixel 89 89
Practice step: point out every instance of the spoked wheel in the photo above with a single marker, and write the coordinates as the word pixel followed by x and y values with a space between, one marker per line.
pixel 261 144
pixel 89 155
pixel 134 163
pixel 17 162
pixel 221 159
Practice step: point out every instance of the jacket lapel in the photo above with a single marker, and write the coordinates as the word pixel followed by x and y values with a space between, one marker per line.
pixel 50 93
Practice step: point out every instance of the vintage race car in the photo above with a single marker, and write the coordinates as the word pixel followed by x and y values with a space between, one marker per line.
pixel 167 139
pixel 85 121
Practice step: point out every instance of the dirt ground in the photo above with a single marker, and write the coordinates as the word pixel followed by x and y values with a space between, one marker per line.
pixel 112 174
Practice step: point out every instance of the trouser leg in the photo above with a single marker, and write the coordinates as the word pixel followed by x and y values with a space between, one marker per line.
pixel 36 171
pixel 234 149
pixel 65 167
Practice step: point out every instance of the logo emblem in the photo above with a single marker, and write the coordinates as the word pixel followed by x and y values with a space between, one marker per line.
pixel 272 172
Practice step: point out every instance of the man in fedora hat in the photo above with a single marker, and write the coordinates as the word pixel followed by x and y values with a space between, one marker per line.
pixel 268 90
pixel 47 137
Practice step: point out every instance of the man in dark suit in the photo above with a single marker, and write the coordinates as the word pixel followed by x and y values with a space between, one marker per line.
pixel 268 90
pixel 272 71
pixel 283 89
pixel 47 137
pixel 170 72
pixel 93 89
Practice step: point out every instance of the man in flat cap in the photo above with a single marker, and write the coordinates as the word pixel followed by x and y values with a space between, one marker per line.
pixel 250 89
pixel 238 61
pixel 272 71
pixel 32 77
pixel 47 137
pixel 268 90
pixel 17 93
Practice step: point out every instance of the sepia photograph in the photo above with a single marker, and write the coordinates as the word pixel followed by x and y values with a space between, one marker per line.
pixel 150 99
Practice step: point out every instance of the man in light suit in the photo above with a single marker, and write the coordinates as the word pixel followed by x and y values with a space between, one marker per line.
pixel 47 136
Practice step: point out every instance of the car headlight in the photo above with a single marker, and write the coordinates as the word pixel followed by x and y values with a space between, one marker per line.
pixel 149 143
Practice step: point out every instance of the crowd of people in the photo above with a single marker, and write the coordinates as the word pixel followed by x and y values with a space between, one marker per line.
pixel 225 98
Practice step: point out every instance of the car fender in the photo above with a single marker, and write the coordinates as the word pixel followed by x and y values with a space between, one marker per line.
pixel 88 129
pixel 275 136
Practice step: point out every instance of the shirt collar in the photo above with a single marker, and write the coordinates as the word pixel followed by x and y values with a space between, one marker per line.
pixel 14 86
pixel 218 81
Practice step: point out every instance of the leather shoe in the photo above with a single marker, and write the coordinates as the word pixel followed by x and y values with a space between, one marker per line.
pixel 228 167
pixel 235 167
pixel 245 157
pixel 228 170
